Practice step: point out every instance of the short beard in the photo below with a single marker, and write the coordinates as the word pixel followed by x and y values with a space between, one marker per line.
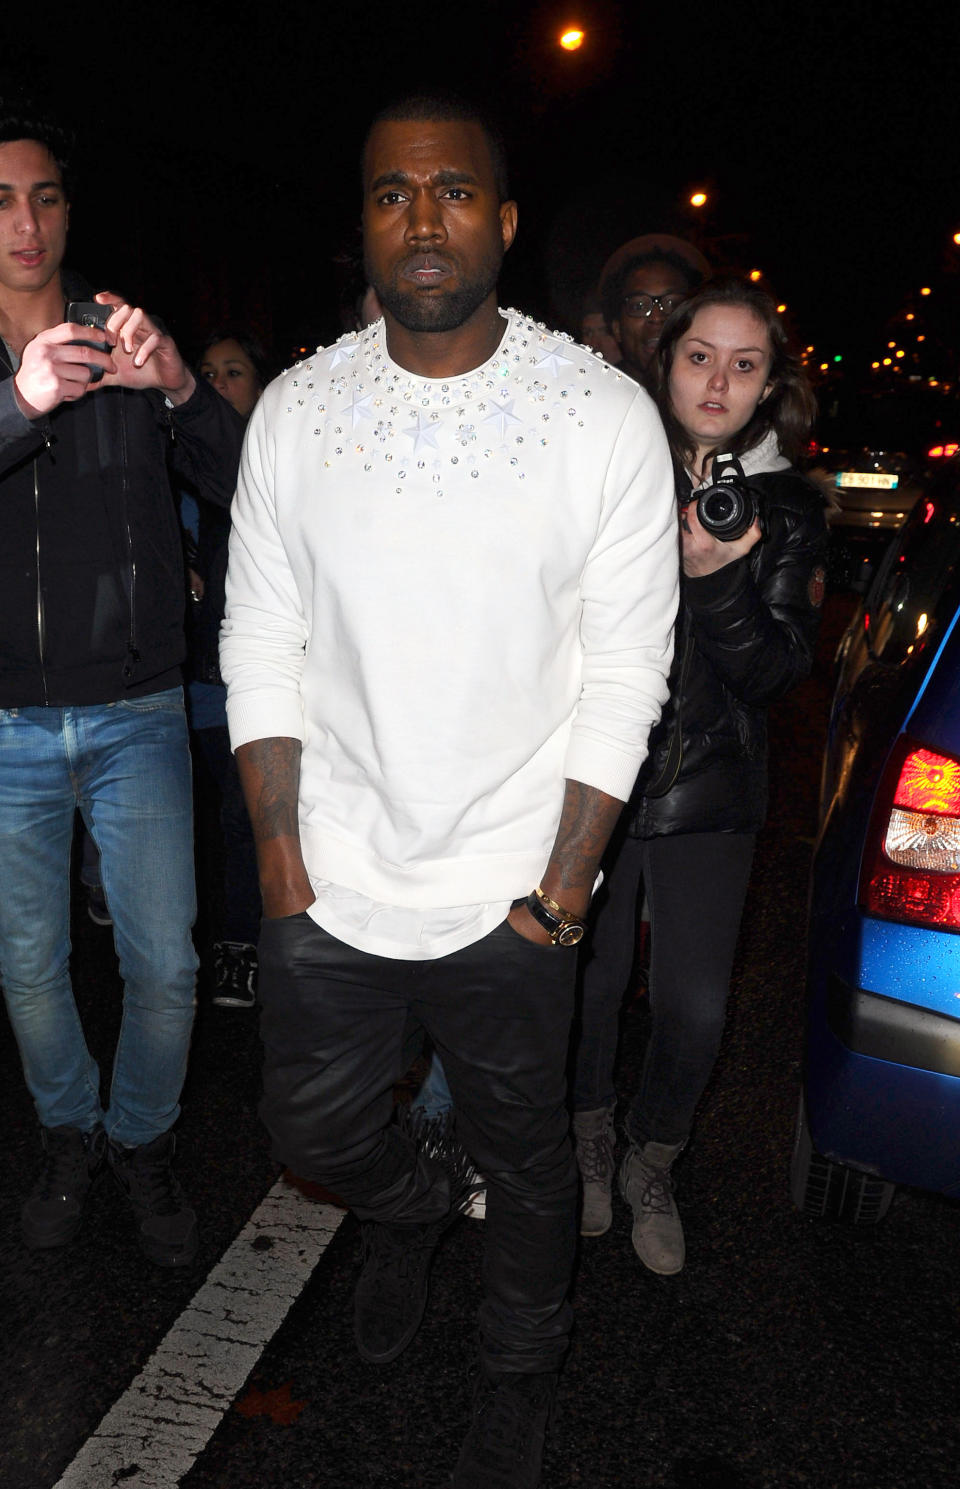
pixel 431 311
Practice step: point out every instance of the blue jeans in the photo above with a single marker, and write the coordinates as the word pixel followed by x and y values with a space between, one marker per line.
pixel 127 766
pixel 433 1098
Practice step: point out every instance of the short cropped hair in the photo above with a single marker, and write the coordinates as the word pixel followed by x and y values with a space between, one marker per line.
pixel 449 107
pixel 22 118
pixel 611 289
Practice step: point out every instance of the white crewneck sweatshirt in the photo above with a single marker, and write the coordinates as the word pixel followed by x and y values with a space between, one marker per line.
pixel 456 593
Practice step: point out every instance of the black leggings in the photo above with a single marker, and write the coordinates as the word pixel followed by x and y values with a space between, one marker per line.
pixel 695 884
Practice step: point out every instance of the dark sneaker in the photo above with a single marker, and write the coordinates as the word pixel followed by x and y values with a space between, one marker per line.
pixel 71 1161
pixel 391 1295
pixel 476 1207
pixel 503 1448
pixel 235 974
pixel 437 1136
pixel 167 1226
pixel 97 908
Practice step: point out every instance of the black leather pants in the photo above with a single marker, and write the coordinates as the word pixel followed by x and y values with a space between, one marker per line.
pixel 499 1013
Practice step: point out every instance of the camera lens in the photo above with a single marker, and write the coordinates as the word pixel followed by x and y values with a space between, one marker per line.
pixel 726 511
pixel 721 508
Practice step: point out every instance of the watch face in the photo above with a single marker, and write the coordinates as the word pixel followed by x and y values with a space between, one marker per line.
pixel 571 934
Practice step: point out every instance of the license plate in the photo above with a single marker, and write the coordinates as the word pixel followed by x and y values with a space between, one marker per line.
pixel 875 479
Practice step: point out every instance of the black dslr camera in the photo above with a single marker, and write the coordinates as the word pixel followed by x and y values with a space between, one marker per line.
pixel 729 505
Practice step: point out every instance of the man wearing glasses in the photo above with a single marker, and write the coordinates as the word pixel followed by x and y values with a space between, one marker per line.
pixel 641 284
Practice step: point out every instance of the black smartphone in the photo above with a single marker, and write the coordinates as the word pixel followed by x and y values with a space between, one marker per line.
pixel 90 313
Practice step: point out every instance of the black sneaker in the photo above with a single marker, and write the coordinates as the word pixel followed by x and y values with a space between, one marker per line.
pixel 437 1136
pixel 235 974
pixel 167 1226
pixel 71 1161
pixel 503 1448
pixel 391 1295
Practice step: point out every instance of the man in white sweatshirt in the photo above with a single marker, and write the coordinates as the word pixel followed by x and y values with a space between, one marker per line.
pixel 452 585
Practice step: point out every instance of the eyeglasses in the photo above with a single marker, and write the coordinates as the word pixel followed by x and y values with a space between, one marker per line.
pixel 638 306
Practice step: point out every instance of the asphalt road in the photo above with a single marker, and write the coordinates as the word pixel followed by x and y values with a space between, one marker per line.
pixel 785 1354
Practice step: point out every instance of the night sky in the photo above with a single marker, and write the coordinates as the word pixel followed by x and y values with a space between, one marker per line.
pixel 219 165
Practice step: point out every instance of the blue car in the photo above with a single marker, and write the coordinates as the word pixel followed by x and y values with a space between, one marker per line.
pixel 880 1104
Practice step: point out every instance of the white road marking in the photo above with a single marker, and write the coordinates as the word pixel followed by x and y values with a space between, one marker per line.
pixel 153 1435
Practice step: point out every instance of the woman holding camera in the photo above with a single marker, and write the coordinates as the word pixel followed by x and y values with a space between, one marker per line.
pixel 737 409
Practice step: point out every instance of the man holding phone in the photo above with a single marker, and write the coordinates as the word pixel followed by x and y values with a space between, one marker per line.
pixel 91 710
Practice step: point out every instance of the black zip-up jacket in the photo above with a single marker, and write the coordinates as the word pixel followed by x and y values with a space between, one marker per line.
pixel 745 636
pixel 91 557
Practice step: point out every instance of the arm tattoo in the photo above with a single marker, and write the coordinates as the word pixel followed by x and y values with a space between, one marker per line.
pixel 586 822
pixel 273 771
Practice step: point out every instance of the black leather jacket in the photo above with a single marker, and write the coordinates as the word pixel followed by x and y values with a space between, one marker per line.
pixel 91 560
pixel 745 635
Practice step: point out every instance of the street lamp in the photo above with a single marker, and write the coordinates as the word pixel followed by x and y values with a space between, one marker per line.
pixel 698 199
pixel 572 38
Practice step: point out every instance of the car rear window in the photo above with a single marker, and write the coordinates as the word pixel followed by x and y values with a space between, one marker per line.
pixel 917 588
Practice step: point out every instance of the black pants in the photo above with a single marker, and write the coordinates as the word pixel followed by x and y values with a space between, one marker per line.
pixel 695 885
pixel 241 884
pixel 499 1013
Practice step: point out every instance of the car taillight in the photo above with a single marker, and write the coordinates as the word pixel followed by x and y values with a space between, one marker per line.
pixel 911 866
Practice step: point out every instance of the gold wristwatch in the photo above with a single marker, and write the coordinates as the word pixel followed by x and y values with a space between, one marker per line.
pixel 565 928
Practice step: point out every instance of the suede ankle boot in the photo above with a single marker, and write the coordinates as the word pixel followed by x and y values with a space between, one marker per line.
pixel 647 1187
pixel 593 1139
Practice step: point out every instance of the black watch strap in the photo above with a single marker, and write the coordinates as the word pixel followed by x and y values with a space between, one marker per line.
pixel 564 928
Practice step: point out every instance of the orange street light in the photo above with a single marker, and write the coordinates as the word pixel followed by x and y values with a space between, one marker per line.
pixel 699 199
pixel 572 39
pixel 926 290
pixel 756 274
pixel 781 309
pixel 956 237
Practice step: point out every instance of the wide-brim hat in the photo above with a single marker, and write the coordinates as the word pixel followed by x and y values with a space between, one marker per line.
pixel 655 243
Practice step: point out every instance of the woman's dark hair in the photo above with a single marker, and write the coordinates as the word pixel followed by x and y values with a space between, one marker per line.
pixel 247 343
pixel 789 408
